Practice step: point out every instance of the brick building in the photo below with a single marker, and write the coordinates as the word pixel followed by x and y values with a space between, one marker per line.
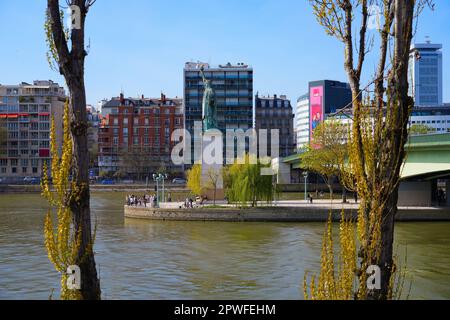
pixel 134 136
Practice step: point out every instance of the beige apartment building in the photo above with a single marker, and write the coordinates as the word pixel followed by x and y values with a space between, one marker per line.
pixel 25 118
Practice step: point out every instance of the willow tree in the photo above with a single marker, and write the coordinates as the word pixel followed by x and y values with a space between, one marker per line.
pixel 69 60
pixel 379 127
pixel 245 183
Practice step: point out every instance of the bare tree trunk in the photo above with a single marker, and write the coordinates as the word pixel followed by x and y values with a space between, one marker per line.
pixel 90 285
pixel 71 66
pixel 399 107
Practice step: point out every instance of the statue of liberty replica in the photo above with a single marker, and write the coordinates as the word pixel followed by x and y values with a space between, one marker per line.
pixel 212 145
pixel 209 110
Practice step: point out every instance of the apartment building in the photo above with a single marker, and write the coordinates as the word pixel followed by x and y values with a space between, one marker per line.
pixel 233 86
pixel 134 136
pixel 275 112
pixel 25 117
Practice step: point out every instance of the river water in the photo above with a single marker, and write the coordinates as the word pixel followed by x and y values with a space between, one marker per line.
pixel 197 260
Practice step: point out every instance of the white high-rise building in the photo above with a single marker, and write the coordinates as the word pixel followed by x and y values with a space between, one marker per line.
pixel 301 121
pixel 425 74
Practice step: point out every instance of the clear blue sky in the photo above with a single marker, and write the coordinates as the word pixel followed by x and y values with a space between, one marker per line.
pixel 141 45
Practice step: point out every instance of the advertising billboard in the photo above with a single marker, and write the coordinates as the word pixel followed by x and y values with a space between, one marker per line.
pixel 316 108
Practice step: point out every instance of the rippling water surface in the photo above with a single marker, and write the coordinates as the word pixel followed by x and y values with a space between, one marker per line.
pixel 140 259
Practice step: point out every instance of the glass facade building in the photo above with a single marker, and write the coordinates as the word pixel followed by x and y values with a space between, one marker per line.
pixel 425 74
pixel 233 86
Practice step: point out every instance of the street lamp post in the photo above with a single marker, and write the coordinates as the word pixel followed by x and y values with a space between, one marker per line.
pixel 156 179
pixel 159 177
pixel 163 178
pixel 305 176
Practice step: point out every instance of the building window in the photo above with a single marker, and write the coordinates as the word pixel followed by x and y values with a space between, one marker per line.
pixel 35 170
pixel 14 170
pixel 125 121
pixel 24 169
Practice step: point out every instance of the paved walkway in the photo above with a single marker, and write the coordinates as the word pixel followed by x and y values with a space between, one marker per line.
pixel 318 203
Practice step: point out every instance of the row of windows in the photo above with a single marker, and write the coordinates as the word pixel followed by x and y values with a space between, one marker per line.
pixel 428 99
pixel 14 170
pixel 220 75
pixel 136 131
pixel 428 90
pixel 23 162
pixel 156 121
pixel 430 121
pixel 428 62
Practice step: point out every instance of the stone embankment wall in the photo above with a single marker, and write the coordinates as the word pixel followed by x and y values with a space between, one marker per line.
pixel 273 214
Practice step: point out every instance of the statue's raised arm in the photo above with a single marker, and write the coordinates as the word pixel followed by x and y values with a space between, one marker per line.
pixel 202 74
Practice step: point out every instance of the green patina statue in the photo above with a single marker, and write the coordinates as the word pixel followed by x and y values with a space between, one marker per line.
pixel 209 109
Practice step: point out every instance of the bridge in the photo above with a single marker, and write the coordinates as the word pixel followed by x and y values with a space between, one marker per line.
pixel 428 156
pixel 427 161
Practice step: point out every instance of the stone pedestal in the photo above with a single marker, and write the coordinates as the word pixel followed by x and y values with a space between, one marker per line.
pixel 212 164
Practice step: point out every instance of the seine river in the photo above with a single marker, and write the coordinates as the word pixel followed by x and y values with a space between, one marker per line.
pixel 197 260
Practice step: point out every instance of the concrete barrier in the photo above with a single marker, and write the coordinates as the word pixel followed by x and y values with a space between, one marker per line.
pixel 273 214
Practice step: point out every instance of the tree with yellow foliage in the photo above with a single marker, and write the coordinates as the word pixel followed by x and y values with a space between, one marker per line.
pixel 62 241
pixel 378 134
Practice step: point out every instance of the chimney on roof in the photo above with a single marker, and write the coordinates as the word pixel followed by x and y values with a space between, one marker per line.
pixel 122 98
pixel 142 97
pixel 163 97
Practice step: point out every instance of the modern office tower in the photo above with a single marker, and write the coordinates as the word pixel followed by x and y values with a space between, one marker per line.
pixel 425 74
pixel 325 97
pixel 134 138
pixel 25 117
pixel 275 112
pixel 301 126
pixel 233 86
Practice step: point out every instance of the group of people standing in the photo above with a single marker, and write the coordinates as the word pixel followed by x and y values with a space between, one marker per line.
pixel 133 200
